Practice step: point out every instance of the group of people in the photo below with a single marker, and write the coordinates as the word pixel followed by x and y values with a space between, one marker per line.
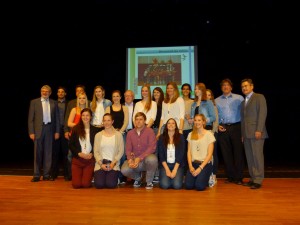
pixel 173 140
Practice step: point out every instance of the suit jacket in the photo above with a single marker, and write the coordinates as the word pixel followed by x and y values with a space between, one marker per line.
pixel 253 116
pixel 35 117
pixel 74 143
pixel 131 115
pixel 179 151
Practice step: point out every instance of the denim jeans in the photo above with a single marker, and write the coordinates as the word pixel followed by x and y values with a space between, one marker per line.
pixel 149 164
pixel 166 182
pixel 200 182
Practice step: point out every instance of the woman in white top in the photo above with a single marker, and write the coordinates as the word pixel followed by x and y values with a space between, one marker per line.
pixel 108 150
pixel 200 151
pixel 98 105
pixel 146 105
pixel 173 107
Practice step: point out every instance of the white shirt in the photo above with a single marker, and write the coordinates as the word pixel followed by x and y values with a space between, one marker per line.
pixel 175 110
pixel 130 113
pixel 151 114
pixel 86 146
pixel 98 114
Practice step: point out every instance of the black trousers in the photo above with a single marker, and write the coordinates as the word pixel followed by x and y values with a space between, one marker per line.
pixel 232 149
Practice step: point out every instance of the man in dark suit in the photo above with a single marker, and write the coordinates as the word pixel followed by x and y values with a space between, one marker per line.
pixel 60 147
pixel 254 133
pixel 43 128
pixel 129 102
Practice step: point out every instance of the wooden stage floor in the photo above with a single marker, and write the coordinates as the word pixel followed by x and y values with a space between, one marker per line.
pixel 56 202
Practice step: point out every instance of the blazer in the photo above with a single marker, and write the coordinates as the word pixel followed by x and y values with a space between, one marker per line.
pixel 179 151
pixel 253 116
pixel 74 143
pixel 35 117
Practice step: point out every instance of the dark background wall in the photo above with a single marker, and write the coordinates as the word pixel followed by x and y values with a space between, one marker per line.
pixel 74 42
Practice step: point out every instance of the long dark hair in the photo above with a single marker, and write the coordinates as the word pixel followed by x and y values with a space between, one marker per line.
pixel 165 135
pixel 161 97
pixel 79 128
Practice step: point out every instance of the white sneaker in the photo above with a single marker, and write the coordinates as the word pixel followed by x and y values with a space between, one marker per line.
pixel 156 179
pixel 149 186
pixel 212 180
pixel 137 183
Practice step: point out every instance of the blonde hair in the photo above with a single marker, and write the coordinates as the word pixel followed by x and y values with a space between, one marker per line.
pixel 94 100
pixel 149 100
pixel 194 135
pixel 176 94
pixel 86 102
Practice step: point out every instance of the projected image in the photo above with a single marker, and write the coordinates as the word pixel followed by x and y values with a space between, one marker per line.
pixel 157 66
pixel 159 70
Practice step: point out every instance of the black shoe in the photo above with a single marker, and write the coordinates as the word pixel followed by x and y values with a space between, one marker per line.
pixel 123 180
pixel 239 182
pixel 51 178
pixel 248 184
pixel 35 179
pixel 46 178
pixel 255 186
pixel 68 179
pixel 228 180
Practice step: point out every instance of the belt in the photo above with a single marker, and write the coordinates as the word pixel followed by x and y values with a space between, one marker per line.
pixel 46 123
pixel 198 161
pixel 230 124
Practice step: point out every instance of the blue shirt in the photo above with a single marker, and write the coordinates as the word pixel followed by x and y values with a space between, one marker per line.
pixel 229 108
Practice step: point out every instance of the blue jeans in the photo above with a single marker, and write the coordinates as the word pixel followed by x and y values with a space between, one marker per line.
pixel 200 182
pixel 149 164
pixel 166 182
pixel 123 158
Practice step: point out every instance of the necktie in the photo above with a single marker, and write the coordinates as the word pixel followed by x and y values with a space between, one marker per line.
pixel 246 100
pixel 46 115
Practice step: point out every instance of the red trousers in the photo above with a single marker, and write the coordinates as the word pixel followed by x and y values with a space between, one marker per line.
pixel 82 172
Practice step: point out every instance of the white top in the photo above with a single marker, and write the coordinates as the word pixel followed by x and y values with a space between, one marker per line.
pixel 171 153
pixel 199 148
pixel 175 110
pixel 107 147
pixel 98 114
pixel 85 144
pixel 151 114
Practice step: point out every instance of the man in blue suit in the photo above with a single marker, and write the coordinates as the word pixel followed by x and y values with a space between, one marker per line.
pixel 43 128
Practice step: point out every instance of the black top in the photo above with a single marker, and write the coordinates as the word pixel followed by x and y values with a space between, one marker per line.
pixel 118 117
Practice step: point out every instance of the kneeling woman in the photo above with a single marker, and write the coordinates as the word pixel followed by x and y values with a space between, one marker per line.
pixel 108 150
pixel 81 145
pixel 171 149
pixel 200 150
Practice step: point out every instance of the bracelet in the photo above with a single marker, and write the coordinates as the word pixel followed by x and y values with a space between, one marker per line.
pixel 201 168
